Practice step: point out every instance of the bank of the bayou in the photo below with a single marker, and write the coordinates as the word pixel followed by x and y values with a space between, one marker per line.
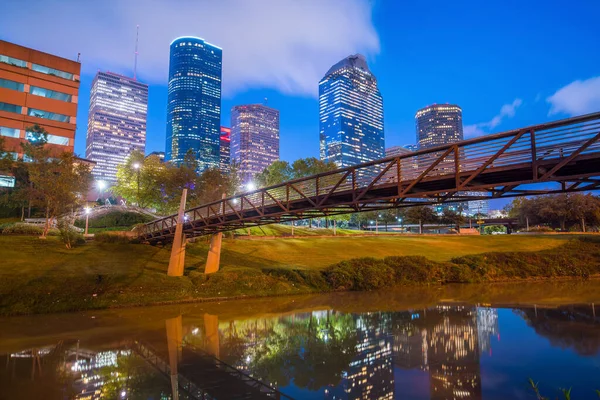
pixel 95 280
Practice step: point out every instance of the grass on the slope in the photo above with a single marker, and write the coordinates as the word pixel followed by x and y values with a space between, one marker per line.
pixel 39 276
pixel 286 230
pixel 321 252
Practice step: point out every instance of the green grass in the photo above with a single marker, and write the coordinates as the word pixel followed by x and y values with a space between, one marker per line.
pixel 39 276
pixel 321 252
pixel 286 230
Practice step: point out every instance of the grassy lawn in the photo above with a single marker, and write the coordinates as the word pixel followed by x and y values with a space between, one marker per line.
pixel 322 252
pixel 43 276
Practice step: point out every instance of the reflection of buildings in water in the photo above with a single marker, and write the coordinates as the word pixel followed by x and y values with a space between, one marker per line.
pixel 487 327
pixel 86 367
pixel 410 342
pixel 370 375
pixel 453 354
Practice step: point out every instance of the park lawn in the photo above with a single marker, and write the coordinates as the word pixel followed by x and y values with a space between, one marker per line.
pixel 41 276
pixel 322 252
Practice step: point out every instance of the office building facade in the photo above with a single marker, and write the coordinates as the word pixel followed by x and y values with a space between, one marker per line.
pixel 254 138
pixel 396 151
pixel 438 124
pixel 194 102
pixel 37 88
pixel 116 123
pixel 350 114
pixel 225 149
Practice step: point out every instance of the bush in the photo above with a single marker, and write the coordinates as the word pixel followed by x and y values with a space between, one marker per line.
pixel 115 218
pixel 20 228
pixel 359 274
pixel 70 237
pixel 108 237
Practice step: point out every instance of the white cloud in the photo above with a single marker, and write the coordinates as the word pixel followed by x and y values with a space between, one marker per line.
pixel 286 45
pixel 506 111
pixel 578 97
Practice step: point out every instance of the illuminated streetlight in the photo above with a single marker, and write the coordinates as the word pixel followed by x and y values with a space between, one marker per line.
pixel 101 185
pixel 235 201
pixel 250 186
pixel 136 165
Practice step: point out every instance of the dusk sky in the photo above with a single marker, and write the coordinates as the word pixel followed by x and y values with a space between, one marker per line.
pixel 506 63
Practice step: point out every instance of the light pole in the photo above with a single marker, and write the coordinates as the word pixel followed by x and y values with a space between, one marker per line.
pixel 137 166
pixel 87 218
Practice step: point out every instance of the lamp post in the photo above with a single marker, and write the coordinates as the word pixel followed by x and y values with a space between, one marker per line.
pixel 137 166
pixel 87 218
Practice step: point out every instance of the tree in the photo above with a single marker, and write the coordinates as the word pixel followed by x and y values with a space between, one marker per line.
pixel 311 166
pixel 421 215
pixel 143 186
pixel 453 217
pixel 276 173
pixel 59 184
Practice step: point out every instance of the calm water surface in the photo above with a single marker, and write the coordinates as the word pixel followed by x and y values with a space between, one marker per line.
pixel 455 342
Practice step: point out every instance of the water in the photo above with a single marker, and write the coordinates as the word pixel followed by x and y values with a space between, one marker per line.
pixel 455 342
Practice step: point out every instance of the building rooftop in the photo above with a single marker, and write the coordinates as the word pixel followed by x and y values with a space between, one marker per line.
pixel 356 61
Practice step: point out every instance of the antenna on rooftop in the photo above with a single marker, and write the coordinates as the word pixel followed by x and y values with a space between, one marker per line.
pixel 137 35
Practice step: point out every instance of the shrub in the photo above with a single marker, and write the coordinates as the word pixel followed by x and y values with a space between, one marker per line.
pixel 70 237
pixel 115 218
pixel 108 237
pixel 359 274
pixel 20 228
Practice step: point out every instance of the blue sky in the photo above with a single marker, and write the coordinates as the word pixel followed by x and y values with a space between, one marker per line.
pixel 506 63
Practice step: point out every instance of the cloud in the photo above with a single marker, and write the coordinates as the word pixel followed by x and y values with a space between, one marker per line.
pixel 286 45
pixel 578 97
pixel 506 111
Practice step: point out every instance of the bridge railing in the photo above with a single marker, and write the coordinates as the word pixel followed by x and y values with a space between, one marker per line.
pixel 465 161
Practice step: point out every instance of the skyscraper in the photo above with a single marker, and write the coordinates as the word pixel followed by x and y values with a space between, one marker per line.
pixel 439 124
pixel 225 148
pixel 350 114
pixel 194 102
pixel 254 138
pixel 116 122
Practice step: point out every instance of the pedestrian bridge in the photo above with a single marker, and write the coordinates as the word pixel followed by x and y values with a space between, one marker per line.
pixel 565 152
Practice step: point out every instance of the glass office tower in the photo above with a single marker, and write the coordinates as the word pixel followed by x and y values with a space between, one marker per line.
pixel 194 102
pixel 350 114
pixel 439 124
pixel 254 138
pixel 116 122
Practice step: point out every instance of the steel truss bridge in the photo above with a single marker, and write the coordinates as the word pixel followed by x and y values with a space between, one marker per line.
pixel 566 152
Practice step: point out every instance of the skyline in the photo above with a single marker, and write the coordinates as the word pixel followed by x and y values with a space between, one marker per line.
pixel 550 73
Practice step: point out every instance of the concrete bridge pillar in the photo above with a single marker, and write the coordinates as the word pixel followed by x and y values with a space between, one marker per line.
pixel 214 254
pixel 213 260
pixel 177 260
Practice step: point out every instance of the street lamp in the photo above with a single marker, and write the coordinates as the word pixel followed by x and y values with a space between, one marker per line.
pixel 87 217
pixel 137 167
pixel 250 186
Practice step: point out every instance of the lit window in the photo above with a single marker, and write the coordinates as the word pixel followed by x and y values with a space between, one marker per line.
pixel 7 181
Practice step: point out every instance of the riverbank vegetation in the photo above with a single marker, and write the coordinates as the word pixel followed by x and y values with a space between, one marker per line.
pixel 42 276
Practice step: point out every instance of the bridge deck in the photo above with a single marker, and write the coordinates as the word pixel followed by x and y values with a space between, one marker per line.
pixel 566 152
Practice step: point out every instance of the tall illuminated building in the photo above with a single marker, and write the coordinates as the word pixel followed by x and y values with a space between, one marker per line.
pixel 254 138
pixel 194 102
pixel 225 148
pixel 439 124
pixel 350 114
pixel 116 122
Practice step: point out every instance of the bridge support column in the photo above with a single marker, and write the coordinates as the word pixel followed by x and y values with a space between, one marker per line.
pixel 213 261
pixel 177 260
